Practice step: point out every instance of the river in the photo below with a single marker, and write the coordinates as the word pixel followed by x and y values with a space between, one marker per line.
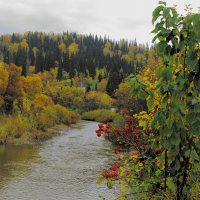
pixel 65 167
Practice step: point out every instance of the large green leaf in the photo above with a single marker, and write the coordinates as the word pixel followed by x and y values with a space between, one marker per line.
pixel 192 154
pixel 171 185
pixel 156 13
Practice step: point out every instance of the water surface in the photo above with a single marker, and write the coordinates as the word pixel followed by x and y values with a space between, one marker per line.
pixel 63 168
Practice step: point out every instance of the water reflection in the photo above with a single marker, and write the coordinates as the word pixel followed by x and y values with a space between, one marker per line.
pixel 15 160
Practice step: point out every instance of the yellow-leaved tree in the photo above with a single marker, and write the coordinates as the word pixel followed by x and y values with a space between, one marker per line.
pixel 31 86
pixel 73 48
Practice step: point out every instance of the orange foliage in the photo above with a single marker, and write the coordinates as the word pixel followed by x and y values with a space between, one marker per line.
pixel 42 100
pixel 102 85
pixel 4 75
pixel 9 84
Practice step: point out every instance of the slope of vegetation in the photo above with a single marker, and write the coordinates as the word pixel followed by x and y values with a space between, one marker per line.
pixel 25 108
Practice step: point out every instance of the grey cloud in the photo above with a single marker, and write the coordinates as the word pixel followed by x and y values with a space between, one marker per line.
pixel 119 19
pixel 132 24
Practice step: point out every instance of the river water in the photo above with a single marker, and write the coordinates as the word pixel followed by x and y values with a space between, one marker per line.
pixel 63 168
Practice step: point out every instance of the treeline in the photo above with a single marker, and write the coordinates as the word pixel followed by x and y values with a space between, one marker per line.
pixel 78 55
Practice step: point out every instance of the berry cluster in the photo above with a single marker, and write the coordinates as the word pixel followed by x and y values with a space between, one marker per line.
pixel 127 134
pixel 113 171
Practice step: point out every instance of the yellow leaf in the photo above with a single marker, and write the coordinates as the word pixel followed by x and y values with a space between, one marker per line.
pixel 100 180
pixel 121 170
pixel 140 164
pixel 126 162
pixel 192 84
pixel 121 156
pixel 109 183
pixel 133 157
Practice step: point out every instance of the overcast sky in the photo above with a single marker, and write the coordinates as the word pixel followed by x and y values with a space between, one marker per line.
pixel 127 19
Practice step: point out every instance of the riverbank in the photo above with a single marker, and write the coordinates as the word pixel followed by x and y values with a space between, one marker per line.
pixel 35 136
pixel 30 137
pixel 23 130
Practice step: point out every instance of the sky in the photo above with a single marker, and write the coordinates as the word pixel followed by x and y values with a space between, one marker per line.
pixel 128 19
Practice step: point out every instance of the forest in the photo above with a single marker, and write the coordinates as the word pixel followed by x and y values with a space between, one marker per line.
pixel 145 99
pixel 45 75
pixel 72 53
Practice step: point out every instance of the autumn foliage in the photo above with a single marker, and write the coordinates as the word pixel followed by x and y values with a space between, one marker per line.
pixel 29 108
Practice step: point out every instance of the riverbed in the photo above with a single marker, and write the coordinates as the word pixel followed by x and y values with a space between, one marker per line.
pixel 65 167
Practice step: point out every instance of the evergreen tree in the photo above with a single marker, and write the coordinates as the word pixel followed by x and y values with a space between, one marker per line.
pixel 66 62
pixel 60 70
pixel 88 88
pixel 114 80
pixel 100 77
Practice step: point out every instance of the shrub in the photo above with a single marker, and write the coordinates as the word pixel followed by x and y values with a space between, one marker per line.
pixel 47 118
pixel 55 114
pixel 69 97
pixel 42 100
pixel 11 126
pixel 101 115
pixel 98 100
pixel 65 115
pixel 124 99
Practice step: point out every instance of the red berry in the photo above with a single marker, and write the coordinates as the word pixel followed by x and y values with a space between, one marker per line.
pixel 124 133
pixel 117 149
pixel 106 131
pixel 100 126
pixel 125 112
pixel 98 134
pixel 107 126
pixel 98 131
pixel 126 127
pixel 113 168
pixel 138 142
pixel 130 119
pixel 116 130
pixel 136 132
